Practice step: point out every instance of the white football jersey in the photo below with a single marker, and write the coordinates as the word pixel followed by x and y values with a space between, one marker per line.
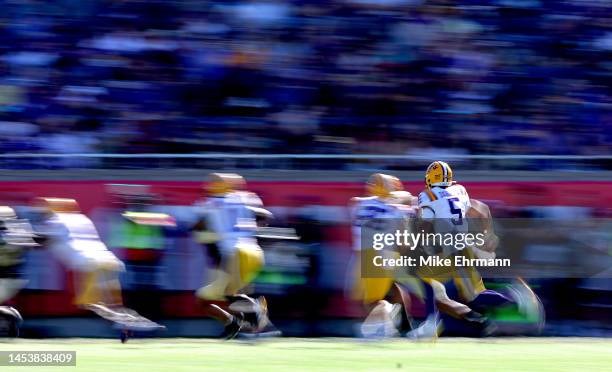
pixel 229 218
pixel 446 203
pixel 77 244
pixel 249 198
pixel 371 212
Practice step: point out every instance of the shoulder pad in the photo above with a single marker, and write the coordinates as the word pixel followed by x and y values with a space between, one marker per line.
pixel 406 210
pixel 358 199
pixel 427 196
pixel 463 190
pixel 402 197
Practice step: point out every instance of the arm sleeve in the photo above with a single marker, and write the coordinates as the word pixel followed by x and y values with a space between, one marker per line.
pixel 427 213
pixel 468 202
pixel 212 214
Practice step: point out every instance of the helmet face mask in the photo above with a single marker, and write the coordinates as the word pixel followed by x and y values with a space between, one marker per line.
pixel 438 173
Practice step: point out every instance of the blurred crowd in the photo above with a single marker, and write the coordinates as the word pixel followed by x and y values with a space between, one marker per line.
pixel 344 76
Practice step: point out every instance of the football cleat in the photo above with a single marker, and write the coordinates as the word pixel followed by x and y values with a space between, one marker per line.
pixel 232 329
pixel 528 303
pixel 10 321
pixel 380 322
pixel 430 329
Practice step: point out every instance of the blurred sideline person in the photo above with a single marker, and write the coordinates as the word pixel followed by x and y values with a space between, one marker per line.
pixel 73 239
pixel 227 226
pixel 138 238
pixel 382 210
pixel 459 293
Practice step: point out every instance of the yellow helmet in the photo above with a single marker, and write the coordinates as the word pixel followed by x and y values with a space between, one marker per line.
pixel 224 183
pixel 382 185
pixel 58 205
pixel 438 174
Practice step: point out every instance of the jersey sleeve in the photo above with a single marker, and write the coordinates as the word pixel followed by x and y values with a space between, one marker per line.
pixel 427 210
pixel 359 211
pixel 212 213
pixel 468 203
pixel 405 211
pixel 356 227
pixel 253 200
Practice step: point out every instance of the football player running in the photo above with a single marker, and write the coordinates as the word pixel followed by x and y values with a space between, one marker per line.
pixel 73 239
pixel 385 208
pixel 445 206
pixel 227 226
pixel 16 237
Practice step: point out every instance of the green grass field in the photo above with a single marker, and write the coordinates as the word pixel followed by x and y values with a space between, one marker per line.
pixel 287 354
